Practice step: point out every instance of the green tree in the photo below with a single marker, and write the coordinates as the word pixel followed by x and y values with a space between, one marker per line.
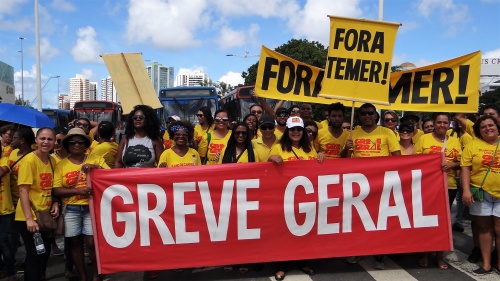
pixel 490 97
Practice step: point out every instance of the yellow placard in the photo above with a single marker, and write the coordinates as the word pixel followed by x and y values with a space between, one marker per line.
pixel 129 75
pixel 358 65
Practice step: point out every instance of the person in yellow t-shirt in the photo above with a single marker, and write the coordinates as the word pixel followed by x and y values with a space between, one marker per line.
pixel 293 146
pixel 239 147
pixel 281 116
pixel 438 142
pixel 405 133
pixel 205 124
pixel 35 181
pixel 263 144
pixel 252 123
pixel 478 156
pixel 414 119
pixel 106 148
pixel 6 223
pixel 6 131
pixel 491 109
pixel 332 138
pixel 70 181
pixel 181 132
pixel 210 149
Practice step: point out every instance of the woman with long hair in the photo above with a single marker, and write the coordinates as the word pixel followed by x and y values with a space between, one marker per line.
pixel 239 146
pixel 35 181
pixel 181 132
pixel 212 144
pixel 142 145
pixel 477 163
pixel 251 121
pixel 70 182
pixel 205 123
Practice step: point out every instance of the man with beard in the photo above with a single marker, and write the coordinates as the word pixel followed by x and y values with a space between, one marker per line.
pixel 371 140
pixel 281 117
pixel 332 138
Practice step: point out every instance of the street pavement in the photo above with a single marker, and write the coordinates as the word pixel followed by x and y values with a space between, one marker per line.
pixel 398 267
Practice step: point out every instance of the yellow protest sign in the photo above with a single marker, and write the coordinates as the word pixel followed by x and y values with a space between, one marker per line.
pixel 133 86
pixel 359 58
pixel 450 86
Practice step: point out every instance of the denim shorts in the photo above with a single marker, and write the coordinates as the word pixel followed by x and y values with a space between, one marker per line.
pixel 490 206
pixel 77 221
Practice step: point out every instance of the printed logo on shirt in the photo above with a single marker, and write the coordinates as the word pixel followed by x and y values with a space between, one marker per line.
pixel 332 149
pixel 367 144
pixel 214 147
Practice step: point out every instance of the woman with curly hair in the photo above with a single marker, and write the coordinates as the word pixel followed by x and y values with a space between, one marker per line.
pixel 181 132
pixel 142 145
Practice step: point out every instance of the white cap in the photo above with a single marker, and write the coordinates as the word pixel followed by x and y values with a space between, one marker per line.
pixel 294 122
pixel 175 117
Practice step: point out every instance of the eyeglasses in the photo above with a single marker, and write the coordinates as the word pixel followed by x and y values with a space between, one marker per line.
pixel 393 120
pixel 364 113
pixel 346 127
pixel 407 131
pixel 295 111
pixel 138 117
pixel 199 115
pixel 80 142
pixel 283 115
pixel 80 124
pixel 266 127
pixel 256 112
pixel 314 133
pixel 237 133
pixel 180 135
pixel 296 129
pixel 220 120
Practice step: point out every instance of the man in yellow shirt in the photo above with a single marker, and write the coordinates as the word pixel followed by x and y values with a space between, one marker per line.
pixel 281 117
pixel 263 144
pixel 331 139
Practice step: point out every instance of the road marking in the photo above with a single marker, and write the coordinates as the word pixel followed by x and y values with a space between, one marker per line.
pixel 458 260
pixel 392 271
pixel 294 275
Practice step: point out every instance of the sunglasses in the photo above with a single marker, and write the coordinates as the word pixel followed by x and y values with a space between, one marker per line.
pixel 283 115
pixel 256 112
pixel 237 133
pixel 405 131
pixel 296 129
pixel 220 120
pixel 309 131
pixel 393 120
pixel 200 115
pixel 80 142
pixel 295 111
pixel 364 113
pixel 346 127
pixel 80 124
pixel 266 127
pixel 138 117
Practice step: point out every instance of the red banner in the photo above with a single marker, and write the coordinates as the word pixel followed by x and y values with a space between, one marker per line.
pixel 184 217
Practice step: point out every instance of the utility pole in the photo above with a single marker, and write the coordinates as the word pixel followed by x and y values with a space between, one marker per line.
pixel 22 71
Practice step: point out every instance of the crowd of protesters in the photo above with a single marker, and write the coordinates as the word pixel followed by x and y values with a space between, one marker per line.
pixel 274 135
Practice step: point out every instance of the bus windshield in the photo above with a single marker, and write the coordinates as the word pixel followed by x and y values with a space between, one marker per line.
pixel 95 116
pixel 185 109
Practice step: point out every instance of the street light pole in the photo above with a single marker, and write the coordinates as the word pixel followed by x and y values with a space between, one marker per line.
pixel 22 71
pixel 245 56
pixel 46 85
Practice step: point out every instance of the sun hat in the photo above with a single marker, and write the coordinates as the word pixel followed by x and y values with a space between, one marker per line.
pixel 77 132
pixel 294 122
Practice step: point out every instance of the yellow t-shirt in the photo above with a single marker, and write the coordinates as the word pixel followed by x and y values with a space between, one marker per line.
pixel 417 135
pixel 216 146
pixel 464 139
pixel 39 176
pixel 14 171
pixel 469 128
pixel 106 150
pixel 66 175
pixel 380 142
pixel 478 155
pixel 199 132
pixel 278 134
pixel 172 159
pixel 243 158
pixel 427 144
pixel 330 145
pixel 261 149
pixel 6 150
pixel 290 156
pixel 324 124
pixel 6 205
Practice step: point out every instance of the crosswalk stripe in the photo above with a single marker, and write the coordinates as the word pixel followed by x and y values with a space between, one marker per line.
pixel 392 271
pixel 458 260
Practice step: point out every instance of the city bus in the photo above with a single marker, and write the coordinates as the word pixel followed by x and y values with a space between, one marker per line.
pixel 98 111
pixel 237 102
pixel 185 102
pixel 59 117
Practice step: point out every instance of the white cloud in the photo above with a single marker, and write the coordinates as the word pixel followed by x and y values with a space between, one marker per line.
pixel 453 16
pixel 17 23
pixel 261 8
pixel 87 48
pixel 230 38
pixel 62 5
pixel 492 54
pixel 88 74
pixel 47 51
pixel 49 92
pixel 170 25
pixel 232 78
pixel 312 21
pixel 196 68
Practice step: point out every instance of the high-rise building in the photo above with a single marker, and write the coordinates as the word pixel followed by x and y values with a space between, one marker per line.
pixel 78 89
pixel 161 76
pixel 93 91
pixel 108 90
pixel 63 102
pixel 196 78
pixel 7 83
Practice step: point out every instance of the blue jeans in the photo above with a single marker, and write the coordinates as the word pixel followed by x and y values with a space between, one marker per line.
pixel 6 223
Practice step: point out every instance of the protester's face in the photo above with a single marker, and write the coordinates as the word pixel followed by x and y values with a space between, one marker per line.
pixel 7 137
pixel 16 141
pixel 295 134
pixel 491 112
pixel 58 145
pixel 428 126
pixel 201 117
pixel 251 122
pixel 390 121
pixel 257 111
pixel 76 145
pixel 221 120
pixel 305 111
pixel 281 118
pixel 139 119
pixel 240 134
pixel 84 125
pixel 406 134
pixel 45 140
pixel 295 112
pixel 267 130
pixel 325 115
pixel 346 125
pixel 312 132
pixel 441 124
pixel 336 118
pixel 488 130
pixel 368 117
pixel 181 137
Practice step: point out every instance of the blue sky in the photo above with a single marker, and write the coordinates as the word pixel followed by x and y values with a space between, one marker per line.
pixel 198 34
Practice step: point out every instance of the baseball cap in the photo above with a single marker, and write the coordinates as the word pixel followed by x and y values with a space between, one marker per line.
pixel 281 110
pixel 406 125
pixel 266 120
pixel 409 116
pixel 294 122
